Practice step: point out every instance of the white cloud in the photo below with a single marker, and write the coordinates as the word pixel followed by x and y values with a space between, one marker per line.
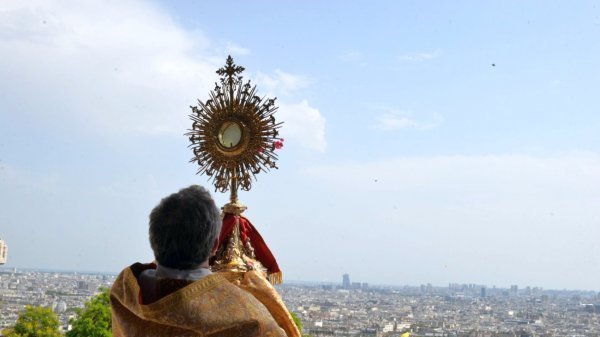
pixel 303 124
pixel 118 67
pixel 234 49
pixel 393 122
pixel 396 120
pixel 124 67
pixel 476 214
pixel 353 56
pixel 419 57
pixel 281 82
pixel 500 175
pixel 501 186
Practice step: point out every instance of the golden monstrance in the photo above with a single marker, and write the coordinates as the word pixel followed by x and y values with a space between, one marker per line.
pixel 234 137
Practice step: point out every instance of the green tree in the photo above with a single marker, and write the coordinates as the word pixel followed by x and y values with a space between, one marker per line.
pixel 94 320
pixel 298 323
pixel 297 320
pixel 35 322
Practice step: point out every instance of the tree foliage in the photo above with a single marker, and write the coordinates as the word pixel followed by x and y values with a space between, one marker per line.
pixel 35 322
pixel 94 320
pixel 297 320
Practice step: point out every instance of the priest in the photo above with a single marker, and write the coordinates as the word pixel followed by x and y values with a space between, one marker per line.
pixel 179 295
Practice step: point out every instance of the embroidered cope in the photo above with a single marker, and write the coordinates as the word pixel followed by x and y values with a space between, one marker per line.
pixel 216 305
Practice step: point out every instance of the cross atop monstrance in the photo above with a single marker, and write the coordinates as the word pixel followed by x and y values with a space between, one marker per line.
pixel 234 136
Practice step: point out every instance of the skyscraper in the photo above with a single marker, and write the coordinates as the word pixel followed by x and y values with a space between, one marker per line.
pixel 3 252
pixel 346 281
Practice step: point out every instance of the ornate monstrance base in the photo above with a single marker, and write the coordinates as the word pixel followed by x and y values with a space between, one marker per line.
pixel 237 242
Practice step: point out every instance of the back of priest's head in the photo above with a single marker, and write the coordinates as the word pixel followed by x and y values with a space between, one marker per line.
pixel 184 227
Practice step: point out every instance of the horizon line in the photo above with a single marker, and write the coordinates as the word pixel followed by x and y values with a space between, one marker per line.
pixel 293 282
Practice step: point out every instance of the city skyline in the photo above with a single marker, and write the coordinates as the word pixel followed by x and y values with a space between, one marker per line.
pixel 355 285
pixel 424 142
pixel 456 310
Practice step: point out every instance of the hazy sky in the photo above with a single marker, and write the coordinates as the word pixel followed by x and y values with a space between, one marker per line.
pixel 425 141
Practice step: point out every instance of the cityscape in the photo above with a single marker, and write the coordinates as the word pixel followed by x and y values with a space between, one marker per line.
pixel 396 168
pixel 355 308
pixel 61 291
pixel 358 309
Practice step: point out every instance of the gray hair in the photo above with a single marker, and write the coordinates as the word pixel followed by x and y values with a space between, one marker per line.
pixel 184 227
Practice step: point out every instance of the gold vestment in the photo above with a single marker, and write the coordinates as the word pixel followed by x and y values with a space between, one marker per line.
pixel 220 304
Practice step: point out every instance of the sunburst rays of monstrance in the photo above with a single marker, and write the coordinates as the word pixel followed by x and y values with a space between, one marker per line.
pixel 234 137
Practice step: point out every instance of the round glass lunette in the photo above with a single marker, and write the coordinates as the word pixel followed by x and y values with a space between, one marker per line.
pixel 230 135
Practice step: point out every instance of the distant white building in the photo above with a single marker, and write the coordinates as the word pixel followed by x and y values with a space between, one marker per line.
pixel 389 327
pixel 3 252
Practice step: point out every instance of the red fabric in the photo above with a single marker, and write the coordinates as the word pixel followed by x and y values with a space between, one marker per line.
pixel 248 231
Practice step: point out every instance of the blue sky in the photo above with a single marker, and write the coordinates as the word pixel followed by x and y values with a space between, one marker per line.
pixel 425 141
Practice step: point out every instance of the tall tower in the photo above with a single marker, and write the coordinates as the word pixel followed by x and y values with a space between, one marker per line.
pixel 3 252
pixel 346 281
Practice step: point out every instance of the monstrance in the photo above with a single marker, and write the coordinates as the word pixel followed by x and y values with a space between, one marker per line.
pixel 234 137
